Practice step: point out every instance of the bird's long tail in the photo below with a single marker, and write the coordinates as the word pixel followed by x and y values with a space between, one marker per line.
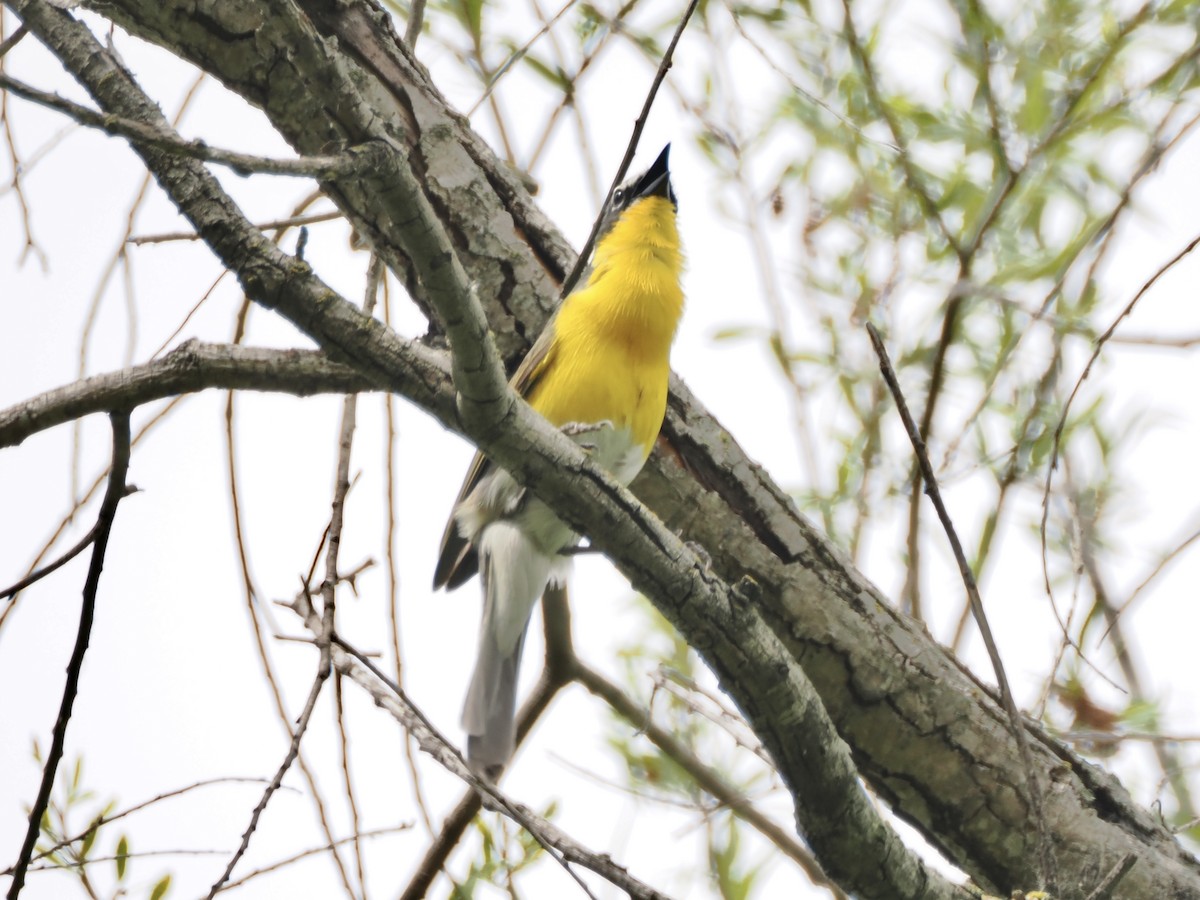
pixel 514 573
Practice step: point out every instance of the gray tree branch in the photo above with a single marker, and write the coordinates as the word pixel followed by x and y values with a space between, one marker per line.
pixel 195 366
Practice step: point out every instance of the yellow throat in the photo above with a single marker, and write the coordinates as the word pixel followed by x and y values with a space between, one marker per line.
pixel 610 355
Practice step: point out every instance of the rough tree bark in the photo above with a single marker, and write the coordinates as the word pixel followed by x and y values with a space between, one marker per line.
pixel 924 733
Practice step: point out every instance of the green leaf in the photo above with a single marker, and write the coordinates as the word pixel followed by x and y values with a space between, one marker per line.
pixel 122 856
pixel 737 332
pixel 1142 716
pixel 555 75
pixel 160 889
pixel 89 837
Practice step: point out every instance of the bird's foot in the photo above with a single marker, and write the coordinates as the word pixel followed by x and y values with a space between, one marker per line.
pixel 575 430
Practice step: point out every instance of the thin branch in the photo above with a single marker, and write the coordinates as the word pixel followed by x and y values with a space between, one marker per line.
pixel 313 851
pixel 455 824
pixel 516 56
pixel 45 570
pixel 1167 760
pixel 392 566
pixel 31 161
pixel 18 168
pixel 555 676
pixel 183 323
pixel 319 167
pixel 1114 737
pixel 613 26
pixel 416 18
pixel 291 222
pixel 81 864
pixel 67 519
pixel 1161 567
pixel 130 810
pixel 99 291
pixel 1105 888
pixel 724 719
pixel 348 783
pixel 708 779
pixel 332 578
pixel 563 849
pixel 113 495
pixel 1087 369
pixel 1187 342
pixel 843 121
pixel 870 81
pixel 439 851
pixel 293 751
pixel 1032 784
pixel 13 39
pixel 250 595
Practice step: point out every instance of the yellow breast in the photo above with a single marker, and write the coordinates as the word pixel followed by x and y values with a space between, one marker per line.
pixel 610 357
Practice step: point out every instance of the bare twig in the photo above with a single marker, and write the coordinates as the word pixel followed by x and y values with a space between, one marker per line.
pixel 45 570
pixel 130 810
pixel 563 849
pixel 1106 887
pixel 1087 369
pixel 706 777
pixel 1167 760
pixel 613 26
pixel 332 578
pixel 320 167
pixel 911 176
pixel 13 39
pixel 725 719
pixel 113 494
pixel 416 18
pixel 67 519
pixel 1185 342
pixel 81 864
pixel 391 565
pixel 18 168
pixel 1147 737
pixel 313 851
pixel 290 222
pixel 293 751
pixel 455 824
pixel 1032 785
pixel 118 258
pixel 1158 569
pixel 516 56
pixel 556 620
pixel 250 595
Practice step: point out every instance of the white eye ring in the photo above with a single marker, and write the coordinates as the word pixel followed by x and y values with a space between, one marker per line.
pixel 619 196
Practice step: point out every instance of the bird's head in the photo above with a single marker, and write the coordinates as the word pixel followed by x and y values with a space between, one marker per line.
pixel 641 212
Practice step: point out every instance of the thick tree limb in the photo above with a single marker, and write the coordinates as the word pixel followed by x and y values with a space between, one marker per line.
pixel 195 366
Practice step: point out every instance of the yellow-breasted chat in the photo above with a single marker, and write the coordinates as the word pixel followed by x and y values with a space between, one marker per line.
pixel 599 372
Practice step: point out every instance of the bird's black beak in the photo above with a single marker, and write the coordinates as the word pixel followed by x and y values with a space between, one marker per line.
pixel 657 180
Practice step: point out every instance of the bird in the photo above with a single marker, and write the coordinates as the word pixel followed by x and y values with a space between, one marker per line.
pixel 598 372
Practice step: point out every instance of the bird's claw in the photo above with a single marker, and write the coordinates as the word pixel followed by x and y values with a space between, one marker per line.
pixel 574 430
